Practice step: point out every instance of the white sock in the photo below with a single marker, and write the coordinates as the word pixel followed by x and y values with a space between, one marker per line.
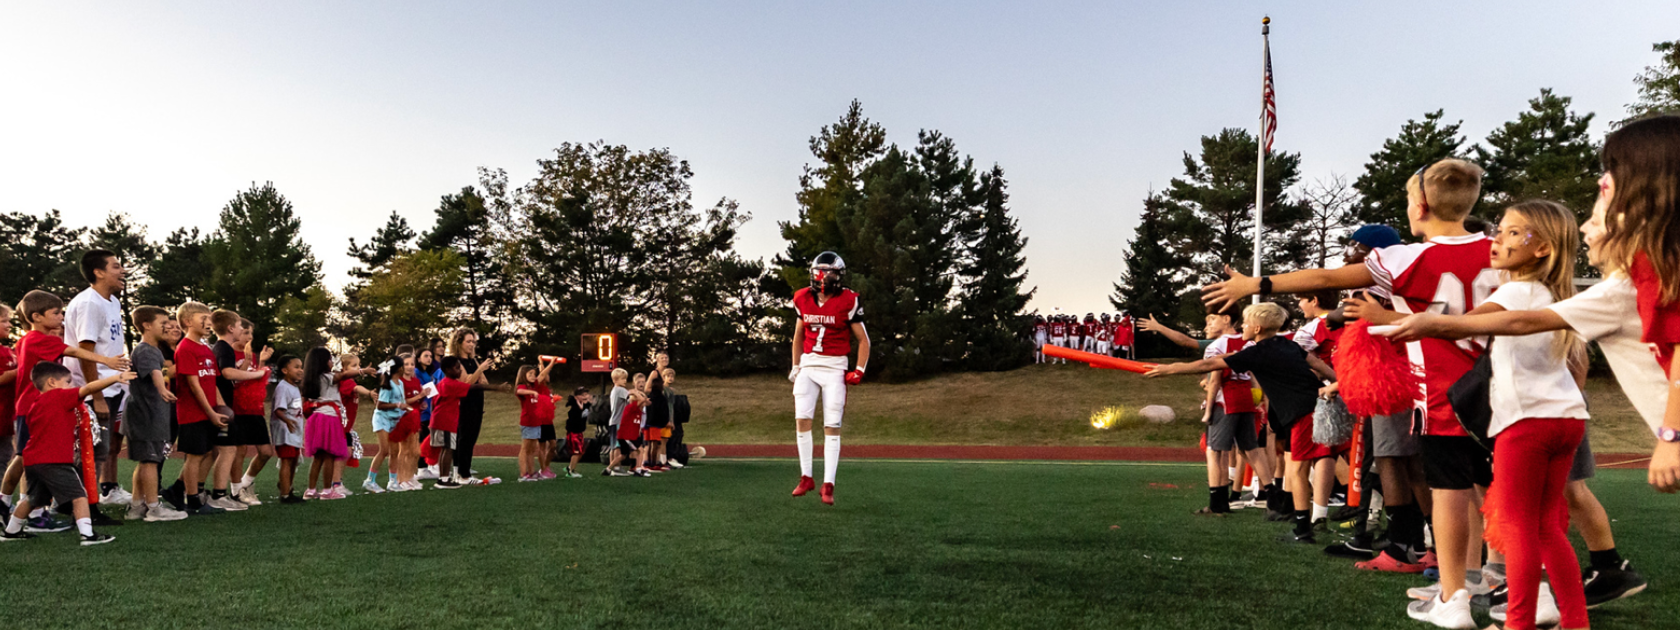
pixel 85 526
pixel 803 439
pixel 831 457
pixel 1320 511
pixel 14 525
pixel 247 480
pixel 1232 473
pixel 37 512
pixel 152 506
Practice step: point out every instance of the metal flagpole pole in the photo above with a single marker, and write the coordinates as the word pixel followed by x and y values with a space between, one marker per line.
pixel 1260 172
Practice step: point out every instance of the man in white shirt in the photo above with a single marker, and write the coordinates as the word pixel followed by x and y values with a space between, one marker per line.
pixel 94 322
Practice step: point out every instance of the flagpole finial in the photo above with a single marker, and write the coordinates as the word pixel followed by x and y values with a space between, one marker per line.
pixel 1266 20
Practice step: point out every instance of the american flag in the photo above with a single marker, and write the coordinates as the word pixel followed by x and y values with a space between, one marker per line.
pixel 1268 113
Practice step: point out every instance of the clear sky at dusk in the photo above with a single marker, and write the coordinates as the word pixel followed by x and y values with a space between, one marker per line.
pixel 355 109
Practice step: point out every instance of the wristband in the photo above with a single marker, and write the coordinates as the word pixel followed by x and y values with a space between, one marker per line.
pixel 1265 285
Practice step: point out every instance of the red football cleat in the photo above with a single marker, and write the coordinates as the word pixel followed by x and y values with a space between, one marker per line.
pixel 828 493
pixel 806 484
pixel 1387 563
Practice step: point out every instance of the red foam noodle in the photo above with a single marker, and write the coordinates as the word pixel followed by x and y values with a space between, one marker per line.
pixel 1097 360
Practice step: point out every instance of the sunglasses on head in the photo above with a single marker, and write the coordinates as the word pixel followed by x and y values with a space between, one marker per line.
pixel 1423 197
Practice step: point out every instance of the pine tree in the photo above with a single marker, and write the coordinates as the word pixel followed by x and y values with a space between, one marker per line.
pixel 258 259
pixel 1218 190
pixel 393 239
pixel 888 236
pixel 843 150
pixel 992 303
pixel 1659 85
pixel 1546 153
pixel 1159 269
pixel 179 272
pixel 1383 184
pixel 40 252
pixel 463 225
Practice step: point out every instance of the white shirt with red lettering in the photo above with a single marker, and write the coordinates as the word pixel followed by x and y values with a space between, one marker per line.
pixel 1449 275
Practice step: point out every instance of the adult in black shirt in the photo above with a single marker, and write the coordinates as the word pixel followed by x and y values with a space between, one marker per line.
pixel 463 344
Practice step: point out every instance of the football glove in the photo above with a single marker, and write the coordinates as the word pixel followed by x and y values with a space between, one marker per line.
pixel 793 375
pixel 854 377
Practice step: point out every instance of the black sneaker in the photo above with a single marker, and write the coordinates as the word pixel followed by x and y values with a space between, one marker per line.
pixel 1610 585
pixel 291 498
pixel 1278 517
pixel 97 538
pixel 100 519
pixel 1300 538
pixel 21 535
pixel 1346 513
pixel 1321 527
pixel 174 498
pixel 44 524
pixel 446 484
pixel 1499 596
pixel 1355 549
pixel 204 506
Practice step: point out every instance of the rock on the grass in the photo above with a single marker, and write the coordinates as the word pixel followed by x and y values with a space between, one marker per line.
pixel 1158 414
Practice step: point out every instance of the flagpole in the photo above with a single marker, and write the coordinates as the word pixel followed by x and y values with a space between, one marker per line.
pixel 1260 172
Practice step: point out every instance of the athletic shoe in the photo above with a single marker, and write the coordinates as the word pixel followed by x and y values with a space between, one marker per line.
pixel 117 496
pixel 229 504
pixel 174 498
pixel 446 484
pixel 677 464
pixel 1476 587
pixel 415 485
pixel 525 478
pixel 469 481
pixel 164 513
pixel 333 495
pixel 1496 597
pixel 1207 511
pixel 426 472
pixel 311 494
pixel 1337 500
pixel 573 475
pixel 1235 505
pixel 1546 612
pixel 1355 548
pixel 99 518
pixel 489 481
pixel 1321 526
pixel 828 493
pixel 206 509
pixel 1451 613
pixel 1274 516
pixel 1428 561
pixel 641 472
pixel 372 486
pixel 614 472
pixel 136 511
pixel 247 496
pixel 97 538
pixel 1346 513
pixel 291 499
pixel 1301 539
pixel 340 489
pixel 1610 585
pixel 1387 563
pixel 549 474
pixel 806 484
pixel 23 535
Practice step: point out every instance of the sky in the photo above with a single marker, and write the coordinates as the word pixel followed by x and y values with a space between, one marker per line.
pixel 353 110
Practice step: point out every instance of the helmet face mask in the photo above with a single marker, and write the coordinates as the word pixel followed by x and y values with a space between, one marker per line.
pixel 828 273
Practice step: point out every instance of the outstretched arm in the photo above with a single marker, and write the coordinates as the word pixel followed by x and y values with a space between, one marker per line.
pixel 1507 323
pixel 1193 367
pixel 1172 335
pixel 1239 286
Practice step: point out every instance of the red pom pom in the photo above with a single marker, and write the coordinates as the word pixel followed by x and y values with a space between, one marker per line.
pixel 1376 378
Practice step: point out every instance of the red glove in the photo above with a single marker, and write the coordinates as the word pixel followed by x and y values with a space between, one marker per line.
pixel 854 377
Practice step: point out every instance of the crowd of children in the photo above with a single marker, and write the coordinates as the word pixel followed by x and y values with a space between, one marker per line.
pixel 1481 480
pixel 1105 334
pixel 225 409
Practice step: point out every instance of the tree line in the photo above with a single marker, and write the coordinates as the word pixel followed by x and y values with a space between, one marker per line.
pixel 1203 220
pixel 603 238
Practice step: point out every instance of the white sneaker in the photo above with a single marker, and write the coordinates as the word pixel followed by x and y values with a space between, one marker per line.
pixel 1546 612
pixel 428 472
pixel 228 503
pixel 117 496
pixel 677 464
pixel 469 481
pixel 136 511
pixel 164 513
pixel 371 486
pixel 247 496
pixel 1452 613
pixel 1476 586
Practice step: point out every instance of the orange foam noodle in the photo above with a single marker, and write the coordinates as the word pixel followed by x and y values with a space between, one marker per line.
pixel 1097 360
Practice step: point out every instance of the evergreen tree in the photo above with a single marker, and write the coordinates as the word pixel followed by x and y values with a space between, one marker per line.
pixel 1383 185
pixel 993 305
pixel 121 235
pixel 1158 269
pixel 40 252
pixel 843 150
pixel 300 321
pixel 463 226
pixel 401 299
pixel 1546 153
pixel 1218 190
pixel 394 239
pixel 258 259
pixel 1659 85
pixel 179 272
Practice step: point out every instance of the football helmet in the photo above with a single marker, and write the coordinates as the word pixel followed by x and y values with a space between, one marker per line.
pixel 828 273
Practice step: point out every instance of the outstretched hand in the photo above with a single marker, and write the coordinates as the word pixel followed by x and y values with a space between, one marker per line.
pixel 1219 295
pixel 1153 326
pixel 1415 327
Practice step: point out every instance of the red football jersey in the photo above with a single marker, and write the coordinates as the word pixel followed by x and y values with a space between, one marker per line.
pixel 193 359
pixel 249 396
pixel 1316 337
pixel 35 347
pixel 1041 327
pixel 1058 329
pixel 1450 275
pixel 1105 331
pixel 1236 389
pixel 8 392
pixel 828 326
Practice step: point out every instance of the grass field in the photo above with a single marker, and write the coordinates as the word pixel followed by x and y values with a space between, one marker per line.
pixel 721 545
pixel 1039 405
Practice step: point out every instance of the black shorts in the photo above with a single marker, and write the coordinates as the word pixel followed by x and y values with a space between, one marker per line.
pixel 21 429
pixel 1225 430
pixel 1453 462
pixel 1282 434
pixel 195 437
pixel 547 433
pixel 628 447
pixel 249 431
pixel 49 482
pixel 147 451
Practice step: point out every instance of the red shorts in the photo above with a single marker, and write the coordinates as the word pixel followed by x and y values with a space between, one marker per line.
pixel 1302 448
pixel 653 435
pixel 574 444
pixel 286 452
pixel 407 426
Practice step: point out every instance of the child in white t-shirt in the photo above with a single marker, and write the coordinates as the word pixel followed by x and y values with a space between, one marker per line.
pixel 285 424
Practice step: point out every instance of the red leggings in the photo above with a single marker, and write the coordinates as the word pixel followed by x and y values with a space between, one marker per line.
pixel 1528 518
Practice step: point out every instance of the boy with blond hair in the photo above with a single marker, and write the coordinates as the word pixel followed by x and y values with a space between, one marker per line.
pixel 1292 379
pixel 196 408
pixel 1449 273
pixel 242 428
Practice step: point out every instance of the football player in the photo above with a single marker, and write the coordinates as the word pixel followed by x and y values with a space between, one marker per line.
pixel 1041 335
pixel 830 316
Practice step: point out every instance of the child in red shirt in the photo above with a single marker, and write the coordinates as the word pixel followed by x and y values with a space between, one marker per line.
pixel 8 384
pixel 536 421
pixel 446 415
pixel 49 459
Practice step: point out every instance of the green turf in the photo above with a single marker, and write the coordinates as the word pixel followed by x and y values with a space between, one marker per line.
pixel 721 545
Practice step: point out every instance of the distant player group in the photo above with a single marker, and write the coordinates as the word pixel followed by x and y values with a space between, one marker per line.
pixel 1106 335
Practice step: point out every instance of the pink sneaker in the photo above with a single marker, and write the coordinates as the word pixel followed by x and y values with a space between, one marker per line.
pixel 525 478
pixel 311 494
pixel 547 474
pixel 333 494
